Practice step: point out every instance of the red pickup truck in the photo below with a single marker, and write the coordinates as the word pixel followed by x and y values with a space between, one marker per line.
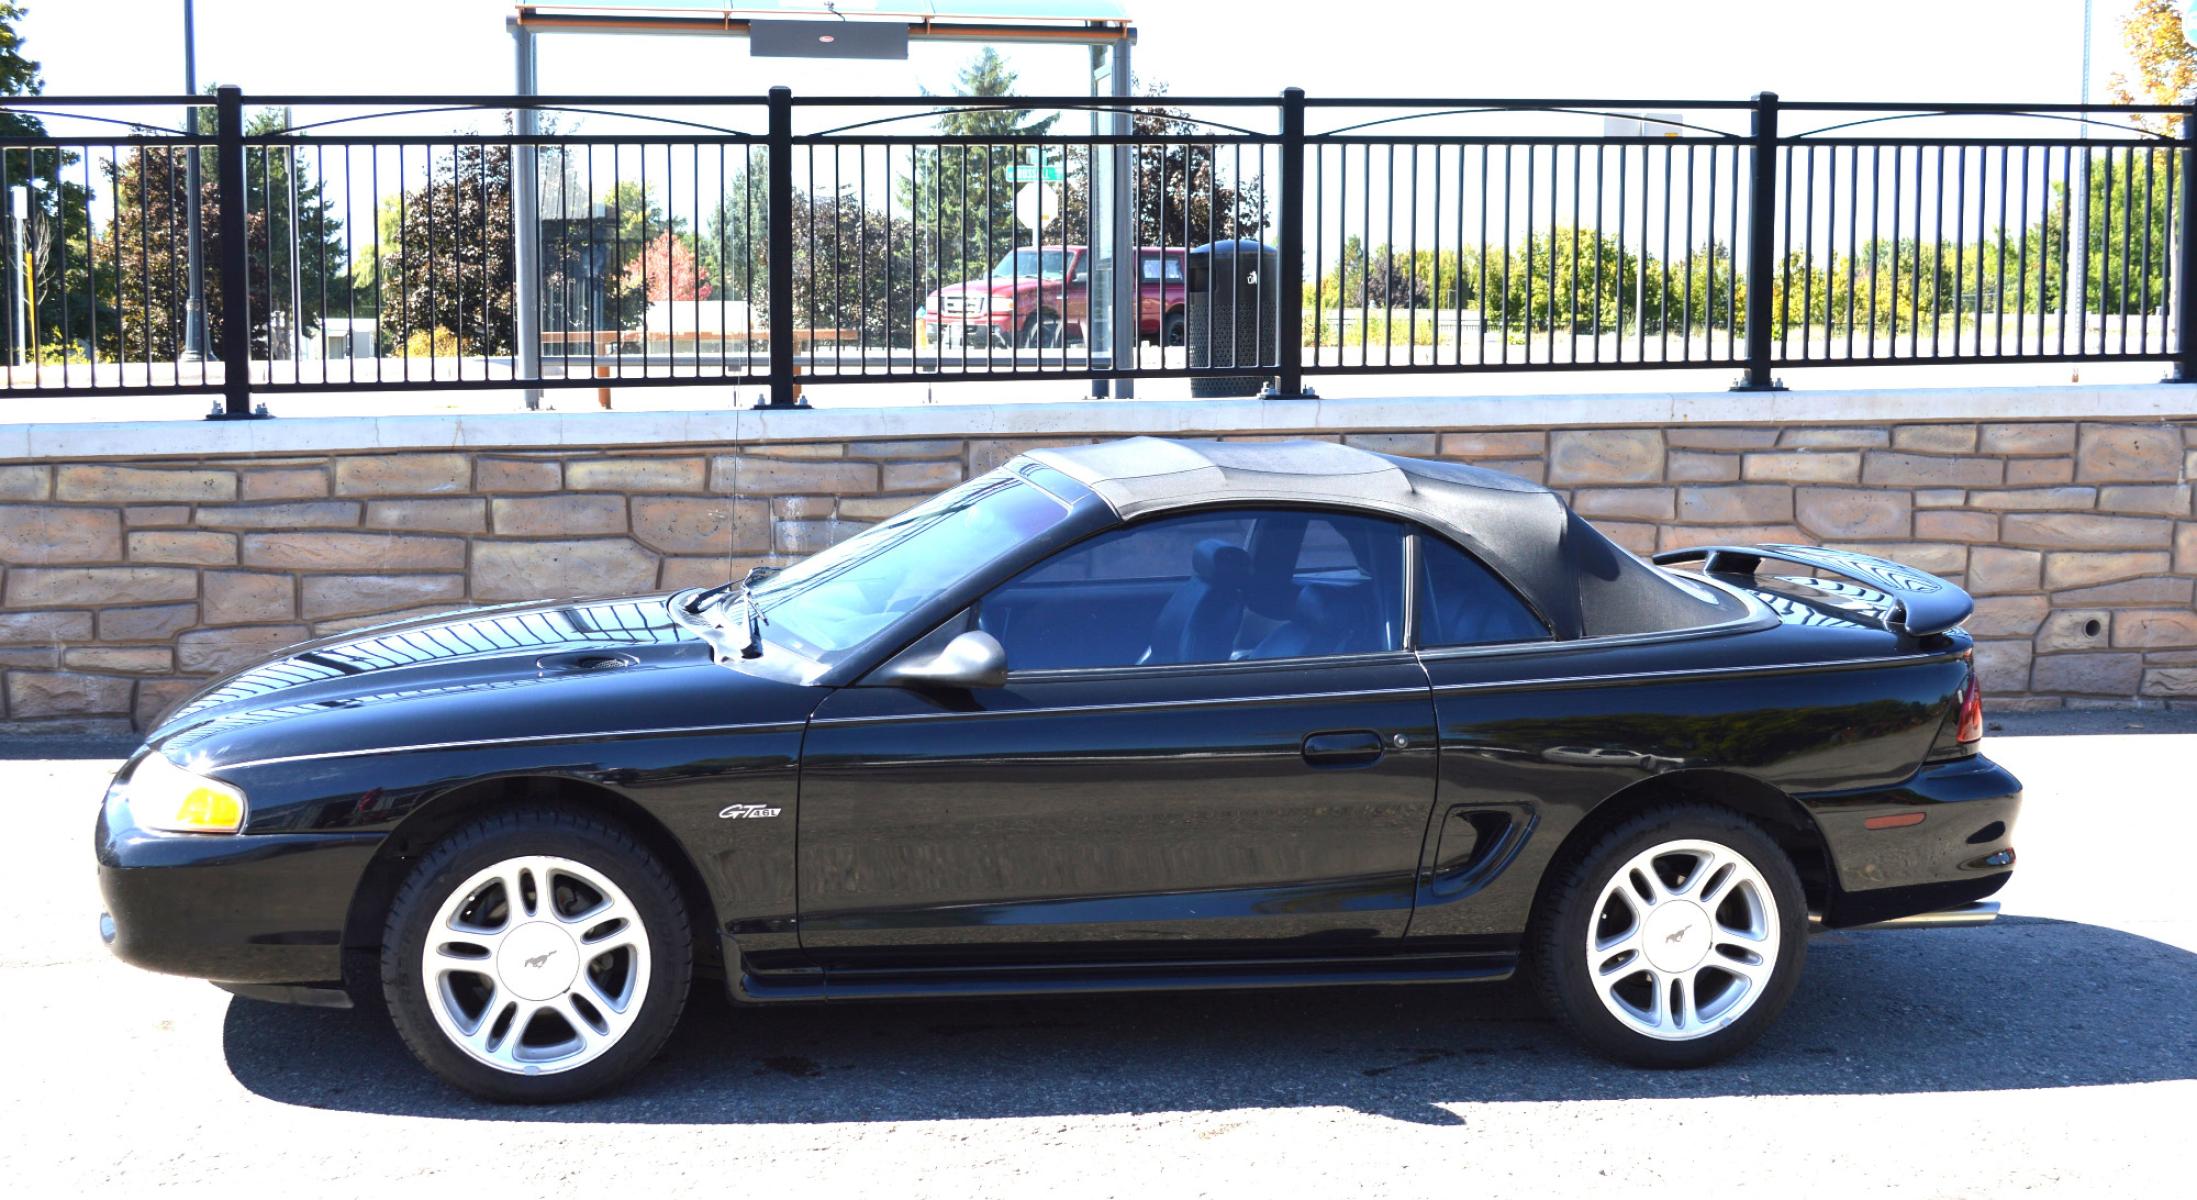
pixel 1040 296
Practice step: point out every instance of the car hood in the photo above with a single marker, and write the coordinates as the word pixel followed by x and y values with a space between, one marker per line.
pixel 519 672
pixel 980 287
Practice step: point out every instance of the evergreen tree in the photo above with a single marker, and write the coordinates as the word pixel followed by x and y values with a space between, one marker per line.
pixel 960 199
pixel 729 244
pixel 143 253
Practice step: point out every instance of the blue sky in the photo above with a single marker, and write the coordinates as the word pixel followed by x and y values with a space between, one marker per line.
pixel 1855 49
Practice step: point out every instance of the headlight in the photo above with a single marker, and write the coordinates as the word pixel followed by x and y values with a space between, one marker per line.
pixel 166 798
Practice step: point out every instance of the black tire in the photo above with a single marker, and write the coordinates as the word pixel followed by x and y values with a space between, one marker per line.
pixel 564 833
pixel 1171 329
pixel 1040 330
pixel 1558 938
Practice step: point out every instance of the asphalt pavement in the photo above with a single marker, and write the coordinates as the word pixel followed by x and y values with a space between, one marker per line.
pixel 2054 1052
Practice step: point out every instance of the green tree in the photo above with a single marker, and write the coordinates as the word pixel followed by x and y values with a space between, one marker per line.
pixel 1385 278
pixel 57 227
pixel 859 272
pixel 2125 259
pixel 1184 193
pixel 961 198
pixel 1710 295
pixel 2165 62
pixel 729 243
pixel 1544 285
pixel 143 261
pixel 365 265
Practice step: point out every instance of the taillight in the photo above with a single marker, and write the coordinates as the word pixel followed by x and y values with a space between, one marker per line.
pixel 1969 731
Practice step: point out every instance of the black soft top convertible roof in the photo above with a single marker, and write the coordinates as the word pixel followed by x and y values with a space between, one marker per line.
pixel 1586 585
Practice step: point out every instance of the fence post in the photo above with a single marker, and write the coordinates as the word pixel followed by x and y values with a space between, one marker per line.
pixel 1761 247
pixel 778 214
pixel 1289 339
pixel 2185 288
pixel 236 269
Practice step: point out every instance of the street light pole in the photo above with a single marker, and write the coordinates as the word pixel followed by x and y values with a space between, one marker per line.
pixel 195 344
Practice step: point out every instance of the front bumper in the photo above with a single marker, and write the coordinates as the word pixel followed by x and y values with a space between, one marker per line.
pixel 242 908
pixel 975 333
pixel 1941 840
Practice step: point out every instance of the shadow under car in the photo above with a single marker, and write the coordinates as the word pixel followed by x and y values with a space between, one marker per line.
pixel 2023 1003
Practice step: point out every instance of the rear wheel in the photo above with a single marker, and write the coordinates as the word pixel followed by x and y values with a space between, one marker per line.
pixel 1674 940
pixel 1171 329
pixel 536 956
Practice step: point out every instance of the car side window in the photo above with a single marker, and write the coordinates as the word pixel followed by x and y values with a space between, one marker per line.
pixel 1463 603
pixel 1148 269
pixel 1230 586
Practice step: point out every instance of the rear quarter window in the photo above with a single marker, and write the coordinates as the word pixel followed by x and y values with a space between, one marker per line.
pixel 1463 603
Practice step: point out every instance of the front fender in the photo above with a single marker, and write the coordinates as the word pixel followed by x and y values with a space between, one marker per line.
pixel 671 786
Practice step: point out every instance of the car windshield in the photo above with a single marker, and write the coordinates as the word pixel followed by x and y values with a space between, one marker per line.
pixel 1032 264
pixel 837 599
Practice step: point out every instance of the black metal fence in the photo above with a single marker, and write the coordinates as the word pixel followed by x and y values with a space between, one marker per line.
pixel 321 243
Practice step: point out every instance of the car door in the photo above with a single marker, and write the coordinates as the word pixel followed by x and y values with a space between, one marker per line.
pixel 1504 754
pixel 1211 740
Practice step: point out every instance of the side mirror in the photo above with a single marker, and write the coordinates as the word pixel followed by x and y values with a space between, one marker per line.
pixel 971 660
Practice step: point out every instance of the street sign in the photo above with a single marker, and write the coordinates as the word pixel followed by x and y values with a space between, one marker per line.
pixel 1033 200
pixel 1033 173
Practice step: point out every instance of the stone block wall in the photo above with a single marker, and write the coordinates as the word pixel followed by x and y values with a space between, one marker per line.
pixel 129 582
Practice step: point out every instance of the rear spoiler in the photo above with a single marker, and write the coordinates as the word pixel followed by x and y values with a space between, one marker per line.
pixel 1922 603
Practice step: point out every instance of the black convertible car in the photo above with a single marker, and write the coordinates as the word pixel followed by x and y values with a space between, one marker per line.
pixel 1143 715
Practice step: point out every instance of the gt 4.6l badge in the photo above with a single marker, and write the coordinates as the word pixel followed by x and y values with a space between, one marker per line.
pixel 750 812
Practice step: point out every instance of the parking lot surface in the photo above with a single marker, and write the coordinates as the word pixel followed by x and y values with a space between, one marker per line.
pixel 2054 1052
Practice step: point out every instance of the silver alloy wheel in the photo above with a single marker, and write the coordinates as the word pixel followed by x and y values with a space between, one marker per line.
pixel 536 965
pixel 1683 940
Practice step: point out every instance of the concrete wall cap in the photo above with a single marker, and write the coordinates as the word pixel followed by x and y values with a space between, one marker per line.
pixel 192 438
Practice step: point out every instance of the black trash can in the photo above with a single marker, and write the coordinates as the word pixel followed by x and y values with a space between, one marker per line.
pixel 1230 311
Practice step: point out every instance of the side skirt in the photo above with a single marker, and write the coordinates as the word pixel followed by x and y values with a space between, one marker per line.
pixel 765 987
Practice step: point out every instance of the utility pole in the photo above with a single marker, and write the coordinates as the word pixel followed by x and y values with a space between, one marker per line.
pixel 194 305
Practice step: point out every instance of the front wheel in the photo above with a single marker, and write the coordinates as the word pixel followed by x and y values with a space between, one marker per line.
pixel 536 956
pixel 1041 330
pixel 1674 940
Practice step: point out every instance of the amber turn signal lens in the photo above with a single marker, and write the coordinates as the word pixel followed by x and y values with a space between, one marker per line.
pixel 1895 821
pixel 166 798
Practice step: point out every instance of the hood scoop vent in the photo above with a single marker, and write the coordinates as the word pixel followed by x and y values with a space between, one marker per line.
pixel 583 660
